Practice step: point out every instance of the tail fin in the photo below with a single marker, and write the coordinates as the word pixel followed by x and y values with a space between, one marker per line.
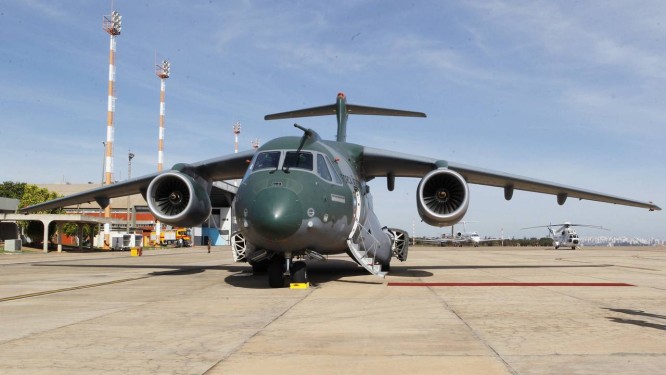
pixel 341 110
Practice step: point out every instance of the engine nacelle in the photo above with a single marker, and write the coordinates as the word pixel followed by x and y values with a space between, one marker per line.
pixel 177 199
pixel 442 197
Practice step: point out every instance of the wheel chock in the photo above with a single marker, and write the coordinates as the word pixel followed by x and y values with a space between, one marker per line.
pixel 299 285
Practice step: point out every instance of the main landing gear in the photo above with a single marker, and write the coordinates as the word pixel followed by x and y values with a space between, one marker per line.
pixel 281 268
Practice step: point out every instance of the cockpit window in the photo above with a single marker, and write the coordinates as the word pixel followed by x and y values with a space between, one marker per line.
pixel 336 177
pixel 322 168
pixel 267 160
pixel 299 160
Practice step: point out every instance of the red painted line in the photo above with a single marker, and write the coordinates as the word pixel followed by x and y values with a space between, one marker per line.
pixel 508 284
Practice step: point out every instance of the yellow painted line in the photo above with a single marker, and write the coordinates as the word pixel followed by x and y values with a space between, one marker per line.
pixel 46 292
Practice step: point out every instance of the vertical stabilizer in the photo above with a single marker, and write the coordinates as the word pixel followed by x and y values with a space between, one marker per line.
pixel 341 114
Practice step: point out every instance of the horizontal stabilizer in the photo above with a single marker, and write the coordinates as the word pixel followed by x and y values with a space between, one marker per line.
pixel 352 109
pixel 307 112
pixel 342 110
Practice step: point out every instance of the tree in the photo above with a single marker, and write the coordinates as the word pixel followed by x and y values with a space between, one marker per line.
pixel 13 190
pixel 33 194
pixel 29 194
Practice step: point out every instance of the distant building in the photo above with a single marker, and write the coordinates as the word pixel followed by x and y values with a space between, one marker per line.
pixel 217 228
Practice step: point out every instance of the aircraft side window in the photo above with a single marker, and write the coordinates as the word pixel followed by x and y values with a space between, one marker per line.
pixel 336 177
pixel 322 168
pixel 267 160
pixel 298 160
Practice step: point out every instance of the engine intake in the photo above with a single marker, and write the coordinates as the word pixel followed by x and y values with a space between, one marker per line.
pixel 442 197
pixel 175 198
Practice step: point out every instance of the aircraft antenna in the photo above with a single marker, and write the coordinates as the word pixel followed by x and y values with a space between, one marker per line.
pixel 162 71
pixel 112 25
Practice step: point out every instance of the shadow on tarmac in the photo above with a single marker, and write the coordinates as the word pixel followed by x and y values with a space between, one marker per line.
pixel 334 270
pixel 640 323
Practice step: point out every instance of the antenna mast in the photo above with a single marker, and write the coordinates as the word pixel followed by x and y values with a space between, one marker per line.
pixel 112 25
pixel 162 71
pixel 237 129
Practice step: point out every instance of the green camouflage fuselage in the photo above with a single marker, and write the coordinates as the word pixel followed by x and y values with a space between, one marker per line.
pixel 300 194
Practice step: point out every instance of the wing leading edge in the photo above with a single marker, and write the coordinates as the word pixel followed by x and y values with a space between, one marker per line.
pixel 226 167
pixel 383 163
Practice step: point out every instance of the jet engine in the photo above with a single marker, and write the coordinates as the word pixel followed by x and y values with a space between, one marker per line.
pixel 176 198
pixel 442 197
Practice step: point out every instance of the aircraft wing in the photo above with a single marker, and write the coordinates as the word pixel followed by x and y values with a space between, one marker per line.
pixel 231 166
pixel 382 163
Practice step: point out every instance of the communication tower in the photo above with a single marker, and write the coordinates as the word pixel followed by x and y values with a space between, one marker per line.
pixel 112 25
pixel 237 128
pixel 162 71
pixel 255 143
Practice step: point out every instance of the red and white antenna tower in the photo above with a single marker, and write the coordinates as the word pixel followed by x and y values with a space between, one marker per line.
pixel 237 128
pixel 162 71
pixel 112 25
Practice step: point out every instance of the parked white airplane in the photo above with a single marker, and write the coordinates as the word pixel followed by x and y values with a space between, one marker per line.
pixel 461 237
pixel 565 235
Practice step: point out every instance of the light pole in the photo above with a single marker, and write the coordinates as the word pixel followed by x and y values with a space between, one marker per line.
pixel 101 211
pixel 130 156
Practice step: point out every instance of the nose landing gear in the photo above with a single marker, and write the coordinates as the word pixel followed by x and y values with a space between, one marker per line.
pixel 281 268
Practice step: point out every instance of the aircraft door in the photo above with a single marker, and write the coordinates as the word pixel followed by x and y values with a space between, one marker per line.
pixel 336 199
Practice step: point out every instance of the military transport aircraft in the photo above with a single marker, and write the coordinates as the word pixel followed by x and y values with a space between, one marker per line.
pixel 303 197
pixel 565 235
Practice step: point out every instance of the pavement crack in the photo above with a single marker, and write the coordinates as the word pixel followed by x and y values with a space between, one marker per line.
pixel 258 331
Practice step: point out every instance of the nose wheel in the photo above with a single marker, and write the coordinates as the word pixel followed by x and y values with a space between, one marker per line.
pixel 276 272
pixel 299 273
pixel 281 268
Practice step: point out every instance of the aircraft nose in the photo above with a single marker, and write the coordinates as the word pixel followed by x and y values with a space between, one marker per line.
pixel 276 214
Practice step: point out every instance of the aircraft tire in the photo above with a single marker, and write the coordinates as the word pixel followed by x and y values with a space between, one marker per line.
pixel 260 267
pixel 386 267
pixel 275 273
pixel 573 247
pixel 299 272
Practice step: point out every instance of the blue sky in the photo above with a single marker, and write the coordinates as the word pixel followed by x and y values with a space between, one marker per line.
pixel 568 91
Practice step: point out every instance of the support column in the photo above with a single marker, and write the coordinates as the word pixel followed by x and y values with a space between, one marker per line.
pixel 59 240
pixel 45 240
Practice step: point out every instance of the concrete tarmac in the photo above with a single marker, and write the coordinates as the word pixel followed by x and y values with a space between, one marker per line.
pixel 476 311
